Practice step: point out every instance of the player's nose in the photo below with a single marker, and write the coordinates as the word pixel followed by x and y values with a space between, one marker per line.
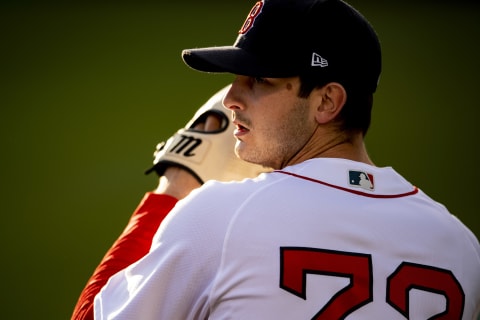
pixel 233 99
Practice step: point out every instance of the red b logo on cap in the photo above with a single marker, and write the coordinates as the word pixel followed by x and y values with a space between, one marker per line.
pixel 248 24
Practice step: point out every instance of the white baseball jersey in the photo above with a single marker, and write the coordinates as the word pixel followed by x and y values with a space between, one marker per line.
pixel 325 239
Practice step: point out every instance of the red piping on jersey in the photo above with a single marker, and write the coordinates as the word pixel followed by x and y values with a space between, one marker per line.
pixel 384 196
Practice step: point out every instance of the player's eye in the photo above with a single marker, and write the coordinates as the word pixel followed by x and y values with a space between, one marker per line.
pixel 259 80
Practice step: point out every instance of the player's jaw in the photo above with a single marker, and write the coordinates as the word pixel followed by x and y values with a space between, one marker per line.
pixel 274 140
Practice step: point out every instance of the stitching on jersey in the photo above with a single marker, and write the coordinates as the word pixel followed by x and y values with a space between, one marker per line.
pixel 383 196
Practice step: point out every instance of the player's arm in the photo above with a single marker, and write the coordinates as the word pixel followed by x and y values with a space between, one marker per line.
pixel 136 239
pixel 172 280
pixel 132 244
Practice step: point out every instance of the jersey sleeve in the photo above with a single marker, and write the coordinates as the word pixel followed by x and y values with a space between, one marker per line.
pixel 133 243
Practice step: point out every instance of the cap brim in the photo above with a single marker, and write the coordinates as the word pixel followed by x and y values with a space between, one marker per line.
pixel 231 59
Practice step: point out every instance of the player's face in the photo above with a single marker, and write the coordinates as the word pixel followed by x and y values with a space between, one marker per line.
pixel 272 123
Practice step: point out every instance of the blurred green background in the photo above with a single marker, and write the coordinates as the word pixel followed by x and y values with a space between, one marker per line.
pixel 88 89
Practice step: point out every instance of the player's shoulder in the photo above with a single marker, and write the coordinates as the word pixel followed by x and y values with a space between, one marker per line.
pixel 235 191
pixel 209 210
pixel 218 198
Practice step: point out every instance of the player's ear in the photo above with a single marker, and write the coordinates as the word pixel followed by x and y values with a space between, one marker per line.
pixel 329 101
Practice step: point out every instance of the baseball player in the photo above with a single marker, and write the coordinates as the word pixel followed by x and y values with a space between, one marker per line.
pixel 326 234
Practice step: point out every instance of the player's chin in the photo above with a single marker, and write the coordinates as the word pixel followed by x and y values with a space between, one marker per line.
pixel 247 153
pixel 242 150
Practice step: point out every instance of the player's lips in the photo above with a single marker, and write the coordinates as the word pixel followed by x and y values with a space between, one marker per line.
pixel 240 129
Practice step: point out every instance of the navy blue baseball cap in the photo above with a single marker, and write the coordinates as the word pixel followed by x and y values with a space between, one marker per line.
pixel 286 38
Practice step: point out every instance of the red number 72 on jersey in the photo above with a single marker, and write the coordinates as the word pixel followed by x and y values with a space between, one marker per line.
pixel 296 263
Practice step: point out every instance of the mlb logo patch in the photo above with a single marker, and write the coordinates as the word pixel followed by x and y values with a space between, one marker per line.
pixel 361 179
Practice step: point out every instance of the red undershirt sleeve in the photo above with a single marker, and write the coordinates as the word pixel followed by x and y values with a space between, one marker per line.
pixel 133 244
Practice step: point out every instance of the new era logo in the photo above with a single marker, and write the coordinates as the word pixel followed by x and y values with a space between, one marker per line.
pixel 319 61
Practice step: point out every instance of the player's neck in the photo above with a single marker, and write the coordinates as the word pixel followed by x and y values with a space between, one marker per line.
pixel 324 145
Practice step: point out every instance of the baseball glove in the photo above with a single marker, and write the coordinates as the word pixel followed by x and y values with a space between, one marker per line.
pixel 208 155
